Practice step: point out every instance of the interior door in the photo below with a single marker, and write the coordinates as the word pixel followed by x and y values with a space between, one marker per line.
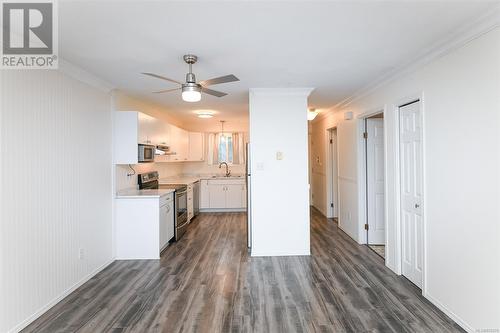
pixel 375 180
pixel 410 127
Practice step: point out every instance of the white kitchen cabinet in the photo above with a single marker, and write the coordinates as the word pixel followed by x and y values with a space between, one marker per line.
pixel 132 128
pixel 216 196
pixel 190 202
pixel 179 144
pixel 234 196
pixel 196 146
pixel 166 222
pixel 204 194
pixel 146 131
pixel 144 225
pixel 223 194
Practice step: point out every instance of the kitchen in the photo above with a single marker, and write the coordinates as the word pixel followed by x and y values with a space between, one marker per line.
pixel 166 175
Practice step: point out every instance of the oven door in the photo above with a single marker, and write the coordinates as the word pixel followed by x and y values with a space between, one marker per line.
pixel 146 153
pixel 181 213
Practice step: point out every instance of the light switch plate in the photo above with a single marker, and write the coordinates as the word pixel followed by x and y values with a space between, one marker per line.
pixel 279 155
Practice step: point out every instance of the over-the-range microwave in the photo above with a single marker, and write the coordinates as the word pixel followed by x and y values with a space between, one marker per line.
pixel 146 153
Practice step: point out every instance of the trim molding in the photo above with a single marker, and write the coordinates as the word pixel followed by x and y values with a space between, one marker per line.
pixel 449 313
pixel 468 32
pixel 56 300
pixel 84 76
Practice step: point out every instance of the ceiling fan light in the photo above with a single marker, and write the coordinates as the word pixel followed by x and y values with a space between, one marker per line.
pixel 191 92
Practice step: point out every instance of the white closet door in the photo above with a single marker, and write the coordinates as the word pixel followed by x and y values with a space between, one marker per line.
pixel 411 192
pixel 375 180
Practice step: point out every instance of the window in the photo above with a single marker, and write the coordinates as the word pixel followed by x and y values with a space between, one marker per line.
pixel 225 148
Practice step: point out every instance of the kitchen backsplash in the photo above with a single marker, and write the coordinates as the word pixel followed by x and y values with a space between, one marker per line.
pixel 166 170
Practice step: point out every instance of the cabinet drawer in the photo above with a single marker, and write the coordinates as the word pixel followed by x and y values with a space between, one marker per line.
pixel 164 199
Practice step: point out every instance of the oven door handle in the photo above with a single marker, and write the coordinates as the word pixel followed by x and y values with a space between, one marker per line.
pixel 182 225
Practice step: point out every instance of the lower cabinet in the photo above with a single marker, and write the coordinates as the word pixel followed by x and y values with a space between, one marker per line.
pixel 144 225
pixel 166 222
pixel 220 194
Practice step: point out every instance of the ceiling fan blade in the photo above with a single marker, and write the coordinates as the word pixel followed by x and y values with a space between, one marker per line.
pixel 219 80
pixel 162 77
pixel 166 90
pixel 213 92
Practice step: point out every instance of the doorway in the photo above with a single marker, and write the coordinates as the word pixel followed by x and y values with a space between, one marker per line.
pixel 411 191
pixel 375 183
pixel 332 176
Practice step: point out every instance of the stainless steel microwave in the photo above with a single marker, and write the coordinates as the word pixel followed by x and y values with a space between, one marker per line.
pixel 146 153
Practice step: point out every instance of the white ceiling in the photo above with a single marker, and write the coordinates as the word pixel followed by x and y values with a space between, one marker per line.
pixel 335 47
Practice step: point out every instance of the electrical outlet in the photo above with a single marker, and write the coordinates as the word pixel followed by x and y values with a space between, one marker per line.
pixel 81 254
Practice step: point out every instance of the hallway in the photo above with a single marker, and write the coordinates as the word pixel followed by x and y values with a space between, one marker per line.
pixel 207 283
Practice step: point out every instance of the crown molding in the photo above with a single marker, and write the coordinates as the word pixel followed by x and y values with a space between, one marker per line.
pixel 84 76
pixel 468 32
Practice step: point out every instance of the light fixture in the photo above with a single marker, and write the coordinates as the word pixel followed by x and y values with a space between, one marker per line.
pixel 311 114
pixel 222 122
pixel 191 92
pixel 205 114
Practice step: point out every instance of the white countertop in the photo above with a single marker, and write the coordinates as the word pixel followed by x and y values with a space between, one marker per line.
pixel 142 194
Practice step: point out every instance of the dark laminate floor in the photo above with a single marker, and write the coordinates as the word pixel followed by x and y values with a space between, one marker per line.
pixel 207 283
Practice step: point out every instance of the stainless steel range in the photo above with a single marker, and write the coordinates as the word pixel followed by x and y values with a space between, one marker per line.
pixel 150 181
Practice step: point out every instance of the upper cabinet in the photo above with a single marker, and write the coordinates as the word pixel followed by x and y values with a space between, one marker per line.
pixel 133 128
pixel 196 146
pixel 179 145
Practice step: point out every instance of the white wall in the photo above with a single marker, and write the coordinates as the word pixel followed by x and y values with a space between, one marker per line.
pixel 280 200
pixel 461 110
pixel 55 189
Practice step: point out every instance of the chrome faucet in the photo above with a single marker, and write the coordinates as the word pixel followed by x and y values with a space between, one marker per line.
pixel 228 173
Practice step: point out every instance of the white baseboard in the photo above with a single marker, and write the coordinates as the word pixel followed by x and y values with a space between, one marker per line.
pixel 280 254
pixel 49 305
pixel 222 210
pixel 449 313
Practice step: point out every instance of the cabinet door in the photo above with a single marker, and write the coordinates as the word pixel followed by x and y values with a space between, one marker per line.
pixel 170 220
pixel 179 144
pixel 145 128
pixel 234 196
pixel 243 195
pixel 217 196
pixel 164 225
pixel 196 147
pixel 161 133
pixel 204 195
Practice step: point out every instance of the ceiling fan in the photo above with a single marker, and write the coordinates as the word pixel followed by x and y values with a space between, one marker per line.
pixel 191 90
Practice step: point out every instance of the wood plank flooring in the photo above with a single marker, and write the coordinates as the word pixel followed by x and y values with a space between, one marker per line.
pixel 207 283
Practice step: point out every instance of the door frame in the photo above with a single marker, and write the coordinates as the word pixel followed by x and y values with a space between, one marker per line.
pixel 362 184
pixel 330 164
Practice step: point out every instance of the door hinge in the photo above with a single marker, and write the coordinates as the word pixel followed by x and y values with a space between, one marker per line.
pixel 331 205
pixel 366 226
pixel 331 141
pixel 365 135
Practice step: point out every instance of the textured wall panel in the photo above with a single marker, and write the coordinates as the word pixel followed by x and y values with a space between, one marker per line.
pixel 55 189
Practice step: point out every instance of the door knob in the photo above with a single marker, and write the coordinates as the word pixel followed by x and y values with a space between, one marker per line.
pixel 417 205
